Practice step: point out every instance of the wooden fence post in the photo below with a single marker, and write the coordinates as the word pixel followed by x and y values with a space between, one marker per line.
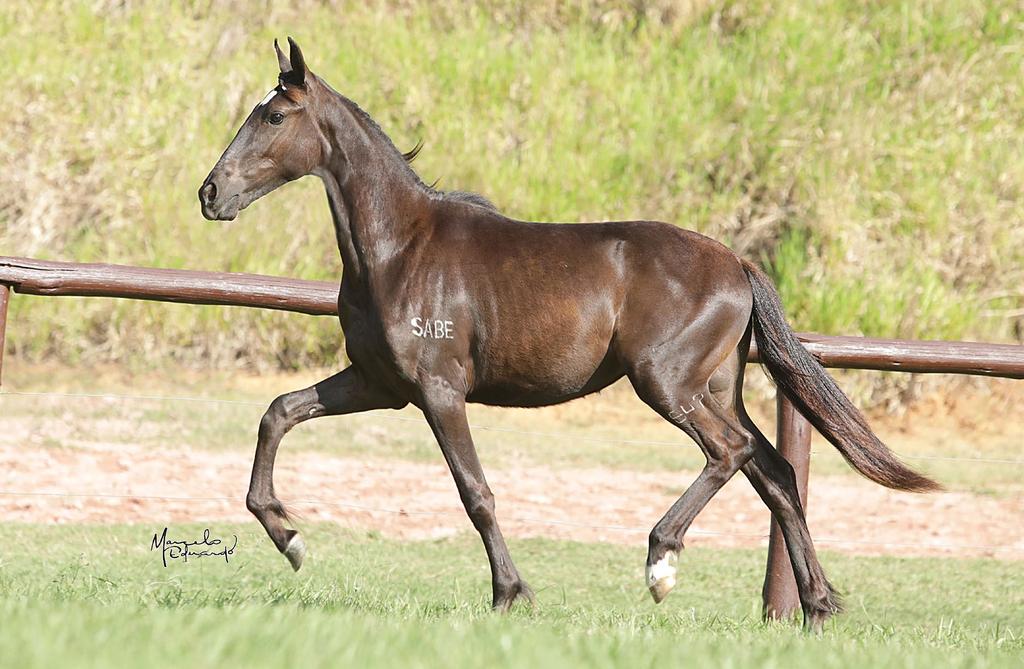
pixel 5 297
pixel 794 443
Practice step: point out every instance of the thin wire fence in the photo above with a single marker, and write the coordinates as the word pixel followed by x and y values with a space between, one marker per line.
pixel 475 426
pixel 459 512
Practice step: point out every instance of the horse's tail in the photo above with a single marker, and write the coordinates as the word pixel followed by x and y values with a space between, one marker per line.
pixel 806 383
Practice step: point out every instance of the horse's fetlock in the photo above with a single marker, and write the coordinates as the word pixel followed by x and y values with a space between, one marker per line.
pixel 661 542
pixel 256 505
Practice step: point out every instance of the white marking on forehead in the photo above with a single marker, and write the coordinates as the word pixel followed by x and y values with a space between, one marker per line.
pixel 270 96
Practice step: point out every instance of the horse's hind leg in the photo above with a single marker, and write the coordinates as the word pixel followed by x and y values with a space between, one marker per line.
pixel 773 478
pixel 345 392
pixel 726 444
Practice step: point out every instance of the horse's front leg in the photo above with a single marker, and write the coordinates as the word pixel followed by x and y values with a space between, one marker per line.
pixel 345 392
pixel 445 410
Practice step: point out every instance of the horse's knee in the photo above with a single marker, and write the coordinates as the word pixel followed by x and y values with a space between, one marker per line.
pixel 281 416
pixel 480 507
pixel 274 417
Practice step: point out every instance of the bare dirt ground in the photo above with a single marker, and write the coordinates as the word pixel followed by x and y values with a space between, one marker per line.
pixel 417 501
pixel 118 468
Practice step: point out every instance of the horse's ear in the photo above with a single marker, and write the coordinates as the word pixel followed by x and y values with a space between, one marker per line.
pixel 282 60
pixel 297 74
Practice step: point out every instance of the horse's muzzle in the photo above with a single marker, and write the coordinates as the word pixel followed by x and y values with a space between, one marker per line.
pixel 224 210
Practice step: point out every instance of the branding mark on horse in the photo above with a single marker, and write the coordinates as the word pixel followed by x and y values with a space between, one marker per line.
pixel 680 415
pixel 433 328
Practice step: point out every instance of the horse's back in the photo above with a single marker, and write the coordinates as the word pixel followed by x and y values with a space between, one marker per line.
pixel 559 308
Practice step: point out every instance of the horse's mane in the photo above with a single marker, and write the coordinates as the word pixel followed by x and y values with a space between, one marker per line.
pixel 409 156
pixel 468 197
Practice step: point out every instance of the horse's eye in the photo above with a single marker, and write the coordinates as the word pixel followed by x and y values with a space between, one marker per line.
pixel 276 118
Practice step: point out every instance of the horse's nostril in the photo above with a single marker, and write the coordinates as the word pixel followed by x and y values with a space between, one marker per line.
pixel 208 193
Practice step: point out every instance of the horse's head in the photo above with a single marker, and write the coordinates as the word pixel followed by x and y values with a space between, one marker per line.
pixel 279 142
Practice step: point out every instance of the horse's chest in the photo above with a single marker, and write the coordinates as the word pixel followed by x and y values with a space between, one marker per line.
pixel 376 338
pixel 365 338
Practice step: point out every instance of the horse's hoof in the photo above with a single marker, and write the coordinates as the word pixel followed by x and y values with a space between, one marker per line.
pixel 661 576
pixel 814 622
pixel 503 603
pixel 295 551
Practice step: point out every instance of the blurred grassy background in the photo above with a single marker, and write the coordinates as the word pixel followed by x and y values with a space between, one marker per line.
pixel 870 154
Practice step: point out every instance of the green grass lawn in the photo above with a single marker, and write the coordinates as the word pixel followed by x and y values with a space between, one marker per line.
pixel 97 596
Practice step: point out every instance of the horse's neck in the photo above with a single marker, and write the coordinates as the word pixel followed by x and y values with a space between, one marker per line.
pixel 376 216
pixel 342 217
pixel 377 202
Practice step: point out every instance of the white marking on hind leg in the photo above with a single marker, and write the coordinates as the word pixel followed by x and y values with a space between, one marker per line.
pixel 295 551
pixel 661 576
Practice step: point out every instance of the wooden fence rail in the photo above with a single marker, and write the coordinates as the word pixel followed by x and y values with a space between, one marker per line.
pixel 320 298
pixel 42 277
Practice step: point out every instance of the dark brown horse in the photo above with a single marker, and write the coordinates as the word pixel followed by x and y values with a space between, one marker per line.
pixel 445 301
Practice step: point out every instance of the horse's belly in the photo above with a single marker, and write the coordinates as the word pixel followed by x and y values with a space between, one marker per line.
pixel 540 366
pixel 517 394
